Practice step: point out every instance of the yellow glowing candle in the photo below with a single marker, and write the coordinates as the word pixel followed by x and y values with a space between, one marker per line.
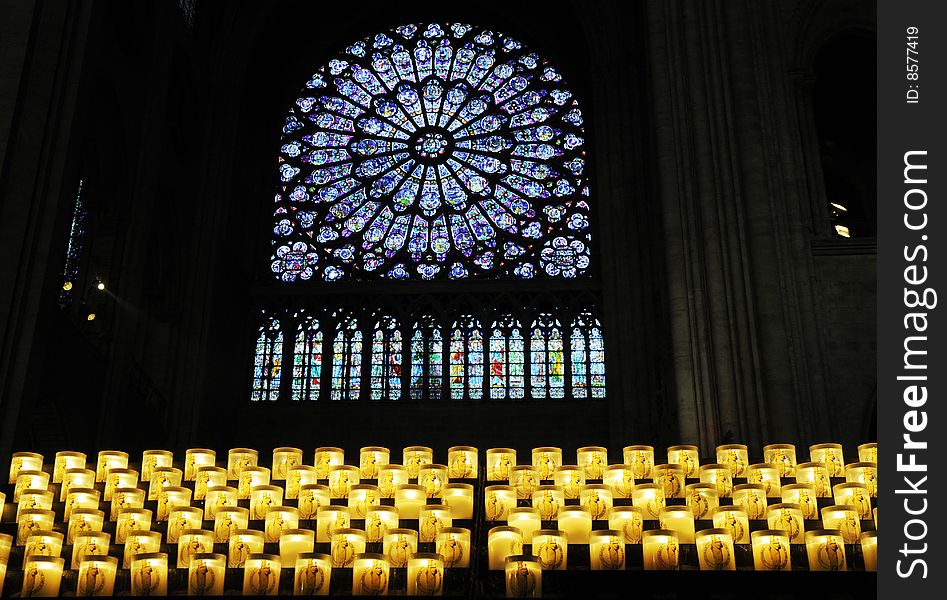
pixel 868 453
pixel 735 521
pixel 869 544
pixel 378 521
pixel 218 497
pixel 89 543
pixel 80 478
pixel 239 459
pixel 43 543
pixel 327 457
pixel 628 520
pixel 499 463
pixel 399 545
pixel 863 472
pixel 67 460
pixel 783 456
pixel 735 457
pixel 162 477
pixel 548 499
pixel 391 476
pixel 502 542
pixel 3 573
pixel 453 543
pixel 153 459
pixel 42 576
pixel 751 497
pixel 802 494
pixel 855 495
pixel 527 520
pixel 718 475
pixel 140 542
pixel 701 499
pixel 524 481
pixel 771 550
pixel 370 458
pixel 362 497
pixel 262 497
pixel 341 480
pixel 284 459
pixel 607 550
pixel 462 462
pixel 598 498
pixel 826 550
pixel 370 575
pixel 129 520
pixel 687 456
pixel 431 519
pixel 570 478
pixel 243 544
pixel 96 576
pixel 817 474
pixel 426 575
pixel 524 577
pixel 84 520
pixel 551 549
pixel 33 480
pixel 592 460
pixel 31 499
pixel 329 518
pixel 80 498
pixel 413 457
pixel 25 461
pixel 874 517
pixel 228 520
pixel 459 497
pixel 313 574
pixel 171 497
pixel 205 576
pixel 261 574
pixel 498 500
pixel 279 519
pixel 546 460
pixel 680 520
pixel 621 479
pixel 6 545
pixel 181 518
pixel 193 541
pixel 345 544
pixel 119 478
pixel 108 460
pixel 767 475
pixel 208 477
pixel 831 455
pixel 640 459
pixel 650 498
pixel 671 478
pixel 149 574
pixel 195 458
pixel 409 499
pixel 31 520
pixel 312 497
pixel 660 550
pixel 251 477
pixel 787 517
pixel 715 550
pixel 433 477
pixel 576 522
pixel 294 542
pixel 297 476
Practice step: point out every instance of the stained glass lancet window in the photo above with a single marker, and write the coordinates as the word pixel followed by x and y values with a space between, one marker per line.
pixel 307 360
pixel 507 378
pixel 588 357
pixel 466 359
pixel 433 151
pixel 427 359
pixel 547 358
pixel 267 362
pixel 77 233
pixel 347 361
pixel 386 360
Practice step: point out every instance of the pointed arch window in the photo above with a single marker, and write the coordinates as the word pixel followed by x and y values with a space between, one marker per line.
pixel 267 362
pixel 547 357
pixel 588 357
pixel 347 361
pixel 386 360
pixel 307 360
pixel 466 359
pixel 507 376
pixel 427 359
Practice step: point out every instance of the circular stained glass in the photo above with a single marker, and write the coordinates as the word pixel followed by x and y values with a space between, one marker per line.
pixel 435 151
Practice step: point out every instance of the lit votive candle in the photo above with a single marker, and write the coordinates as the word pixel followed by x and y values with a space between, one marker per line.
pixel 628 520
pixel 43 543
pixel 650 498
pixel 341 480
pixel 409 498
pixel 96 576
pixel 162 477
pixel 548 499
pixel 734 520
pixel 298 476
pixel 42 576
pixel 261 574
pixel 498 500
pixel 607 550
pixel 671 478
pixel 251 477
pixel 767 475
pixel 751 497
pixel 524 481
pixel 153 459
pixel 313 574
pixel 502 542
pixel 863 472
pixel 33 519
pixel 25 461
pixel 262 497
pixel 243 543
pixel 277 520
pixel 868 452
pixel 453 543
pixel 370 575
pixel 140 542
pixel 370 458
pixel 205 574
pixel 399 545
pixel 362 497
pixel 3 573
pixel 499 463
pixel 129 520
pixel 108 460
pixel 433 477
pixel 817 474
pixel 228 520
pixel 195 458
pixel 831 455
pixel 284 459
pixel 462 462
pixel 80 478
pixel 855 495
pixel 783 456
pixel 294 542
pixel 208 477
pixel 329 518
pixel 415 456
pixel 787 517
pixel 802 494
pixel 149 574
pixel 218 497
pixel 89 543
pixel 80 498
pixel 701 498
pixel 67 460
pixel 735 457
pixel 826 550
pixel 239 459
pixel 551 549
pixel 680 520
pixel 170 498
pixel 715 550
pixel 660 550
pixel 641 460
pixel 327 457
pixel 524 577
pixel 83 520
pixel 592 460
pixel 33 480
pixel 193 541
pixel 426 575
pixel 119 478
pixel 621 479
pixel 390 476
pixel 378 521
pixel 527 520
pixel 431 519
pixel 687 456
pixel 576 521
pixel 771 550
pixel 869 544
pixel 312 497
pixel 546 459
pixel 719 475
pixel 125 498
pixel 181 518
pixel 459 497
pixel 32 499
pixel 6 545
pixel 570 478
pixel 597 498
